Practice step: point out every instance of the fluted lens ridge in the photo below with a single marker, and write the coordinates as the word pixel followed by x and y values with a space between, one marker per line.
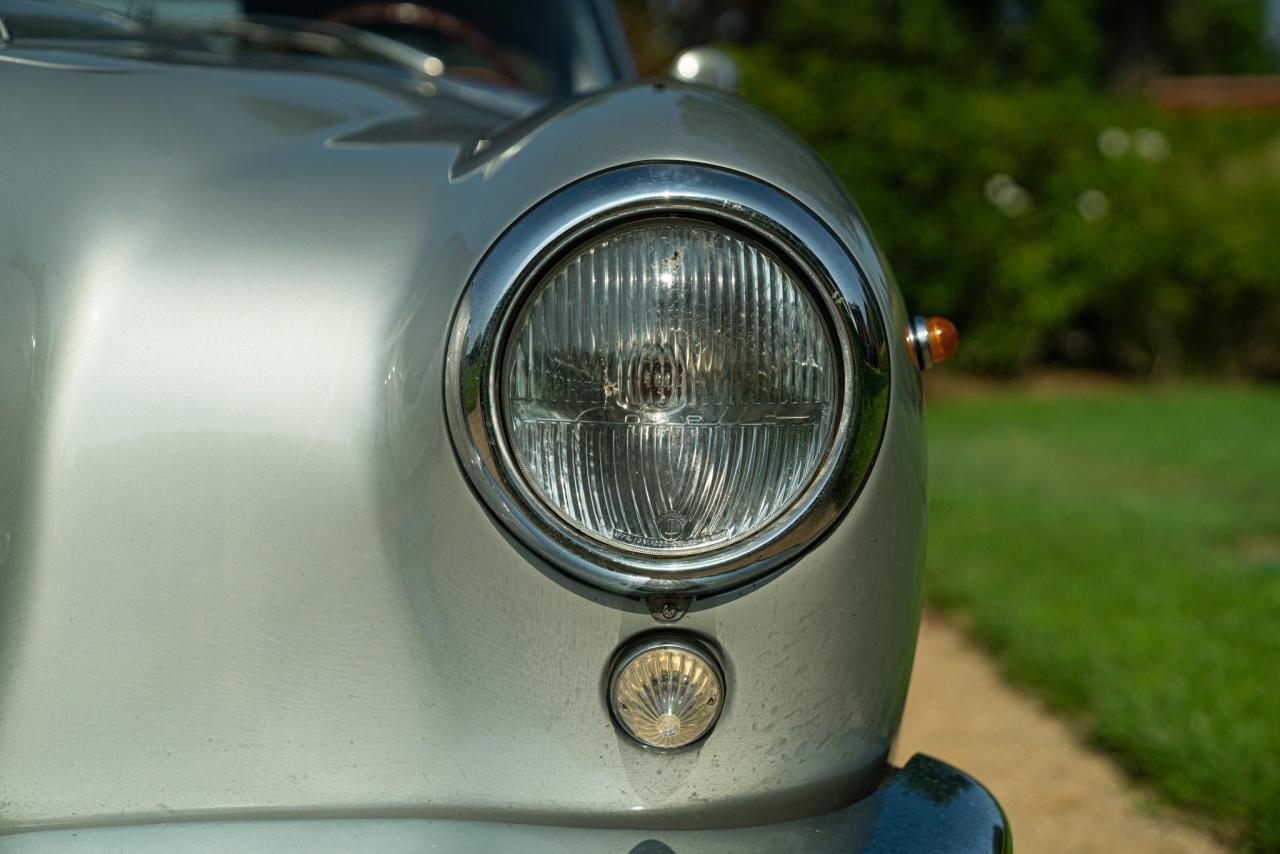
pixel 671 387
pixel 667 697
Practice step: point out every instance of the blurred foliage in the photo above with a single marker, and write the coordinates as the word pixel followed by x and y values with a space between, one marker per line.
pixel 1053 218
pixel 1219 36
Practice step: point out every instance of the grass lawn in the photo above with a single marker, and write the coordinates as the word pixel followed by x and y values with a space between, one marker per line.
pixel 1119 550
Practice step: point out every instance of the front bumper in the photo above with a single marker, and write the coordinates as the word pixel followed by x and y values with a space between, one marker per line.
pixel 928 806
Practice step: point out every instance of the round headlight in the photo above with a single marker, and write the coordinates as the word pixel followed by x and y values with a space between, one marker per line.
pixel 668 380
pixel 670 387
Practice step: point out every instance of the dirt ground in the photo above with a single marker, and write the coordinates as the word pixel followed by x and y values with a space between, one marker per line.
pixel 1059 795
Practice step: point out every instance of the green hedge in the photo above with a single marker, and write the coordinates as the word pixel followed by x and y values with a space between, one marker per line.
pixel 1054 222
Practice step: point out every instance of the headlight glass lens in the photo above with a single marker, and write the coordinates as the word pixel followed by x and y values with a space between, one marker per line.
pixel 670 387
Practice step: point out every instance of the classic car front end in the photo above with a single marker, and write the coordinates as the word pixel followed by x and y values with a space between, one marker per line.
pixel 395 460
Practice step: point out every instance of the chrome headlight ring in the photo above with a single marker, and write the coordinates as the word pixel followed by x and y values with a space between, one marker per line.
pixel 514 267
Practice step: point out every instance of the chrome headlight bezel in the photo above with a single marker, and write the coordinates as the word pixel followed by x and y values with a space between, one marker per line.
pixel 514 266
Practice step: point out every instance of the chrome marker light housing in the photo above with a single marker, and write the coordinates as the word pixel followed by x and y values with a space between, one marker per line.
pixel 667 379
pixel 666 691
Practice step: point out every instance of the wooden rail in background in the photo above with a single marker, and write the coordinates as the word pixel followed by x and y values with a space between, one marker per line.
pixel 1246 92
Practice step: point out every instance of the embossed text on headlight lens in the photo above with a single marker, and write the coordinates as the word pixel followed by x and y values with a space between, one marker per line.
pixel 670 387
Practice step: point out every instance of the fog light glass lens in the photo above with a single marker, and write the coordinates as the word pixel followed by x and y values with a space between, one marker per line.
pixel 671 387
pixel 667 695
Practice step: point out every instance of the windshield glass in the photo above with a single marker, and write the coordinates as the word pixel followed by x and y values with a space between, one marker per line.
pixel 551 48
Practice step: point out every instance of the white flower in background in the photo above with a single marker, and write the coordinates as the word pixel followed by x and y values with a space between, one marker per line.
pixel 1150 144
pixel 993 185
pixel 1093 205
pixel 1007 195
pixel 1113 143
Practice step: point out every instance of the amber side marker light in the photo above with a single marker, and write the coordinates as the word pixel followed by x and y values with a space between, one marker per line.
pixel 931 340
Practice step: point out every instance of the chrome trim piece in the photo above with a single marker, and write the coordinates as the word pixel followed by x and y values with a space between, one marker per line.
pixel 515 264
pixel 707 66
pixel 918 339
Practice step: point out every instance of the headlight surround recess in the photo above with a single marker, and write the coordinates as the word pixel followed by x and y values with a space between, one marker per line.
pixel 660 391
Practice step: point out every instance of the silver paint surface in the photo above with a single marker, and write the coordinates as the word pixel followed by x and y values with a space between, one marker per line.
pixel 927 806
pixel 244 576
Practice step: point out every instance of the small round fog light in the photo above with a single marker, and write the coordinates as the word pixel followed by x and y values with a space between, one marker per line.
pixel 666 691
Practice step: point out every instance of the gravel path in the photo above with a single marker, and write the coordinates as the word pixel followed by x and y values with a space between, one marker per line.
pixel 1060 796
